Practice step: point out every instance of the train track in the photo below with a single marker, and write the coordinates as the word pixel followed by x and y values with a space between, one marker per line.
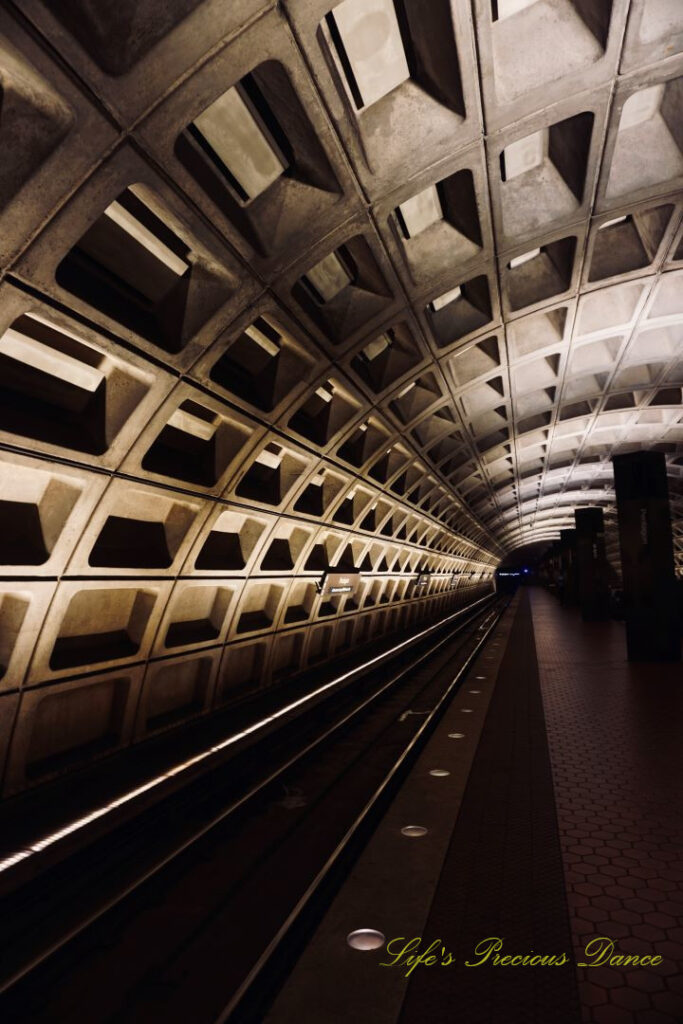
pixel 196 908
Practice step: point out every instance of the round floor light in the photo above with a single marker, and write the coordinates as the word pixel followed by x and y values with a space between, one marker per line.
pixel 414 831
pixel 439 773
pixel 365 939
pixel 456 735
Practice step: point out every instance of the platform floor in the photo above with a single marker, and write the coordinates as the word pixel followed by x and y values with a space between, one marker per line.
pixel 570 829
pixel 615 734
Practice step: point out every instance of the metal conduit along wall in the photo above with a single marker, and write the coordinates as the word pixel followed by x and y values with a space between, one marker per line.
pixel 286 287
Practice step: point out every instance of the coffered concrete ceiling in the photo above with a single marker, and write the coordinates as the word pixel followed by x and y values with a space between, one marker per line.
pixel 380 286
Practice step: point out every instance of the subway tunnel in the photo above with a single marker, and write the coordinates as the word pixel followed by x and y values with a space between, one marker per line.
pixel 341 511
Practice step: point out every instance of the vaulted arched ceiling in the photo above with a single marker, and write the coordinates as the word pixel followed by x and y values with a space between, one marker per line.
pixel 284 286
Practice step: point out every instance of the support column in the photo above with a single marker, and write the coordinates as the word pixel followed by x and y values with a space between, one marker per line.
pixel 647 558
pixel 554 567
pixel 592 564
pixel 544 570
pixel 569 588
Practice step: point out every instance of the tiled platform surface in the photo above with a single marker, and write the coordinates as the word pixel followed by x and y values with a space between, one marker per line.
pixel 615 741
pixel 568 828
pixel 503 875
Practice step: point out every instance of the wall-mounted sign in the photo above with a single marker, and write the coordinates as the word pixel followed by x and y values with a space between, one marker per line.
pixel 339 583
pixel 422 579
pixel 453 582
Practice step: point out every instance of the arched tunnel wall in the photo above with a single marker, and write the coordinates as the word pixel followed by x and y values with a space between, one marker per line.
pixel 408 340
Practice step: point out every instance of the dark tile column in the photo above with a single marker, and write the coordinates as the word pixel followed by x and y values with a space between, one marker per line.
pixel 647 557
pixel 592 564
pixel 569 587
pixel 556 567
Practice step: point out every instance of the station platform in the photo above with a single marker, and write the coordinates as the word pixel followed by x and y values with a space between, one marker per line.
pixel 558 831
